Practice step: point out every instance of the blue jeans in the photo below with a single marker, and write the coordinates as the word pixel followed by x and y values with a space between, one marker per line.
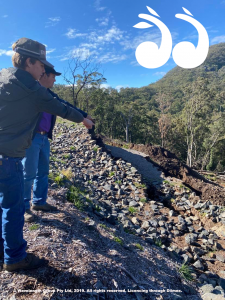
pixel 12 210
pixel 36 170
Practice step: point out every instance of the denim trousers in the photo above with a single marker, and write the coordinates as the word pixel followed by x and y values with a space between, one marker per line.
pixel 36 170
pixel 12 210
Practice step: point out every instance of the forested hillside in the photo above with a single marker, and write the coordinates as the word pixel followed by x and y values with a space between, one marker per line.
pixel 183 112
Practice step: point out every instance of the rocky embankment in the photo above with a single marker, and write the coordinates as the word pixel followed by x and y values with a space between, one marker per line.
pixel 121 226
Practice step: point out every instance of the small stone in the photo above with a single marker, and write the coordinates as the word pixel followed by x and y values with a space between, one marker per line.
pixel 176 232
pixel 134 220
pixel 181 227
pixel 191 229
pixel 133 203
pixel 198 265
pixel 186 258
pixel 190 238
pixel 180 220
pixel 153 223
pixel 108 187
pixel 145 225
pixel 220 258
pixel 154 207
pixel 171 213
pixel 212 255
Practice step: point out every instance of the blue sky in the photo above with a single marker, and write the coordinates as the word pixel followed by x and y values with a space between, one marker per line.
pixel 104 29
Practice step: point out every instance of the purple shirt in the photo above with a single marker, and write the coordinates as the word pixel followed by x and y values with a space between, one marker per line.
pixel 45 123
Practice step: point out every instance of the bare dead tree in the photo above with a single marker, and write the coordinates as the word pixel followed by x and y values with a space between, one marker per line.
pixel 82 72
pixel 164 121
pixel 127 120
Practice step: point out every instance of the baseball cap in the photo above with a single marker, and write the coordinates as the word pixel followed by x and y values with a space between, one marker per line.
pixel 32 48
pixel 52 70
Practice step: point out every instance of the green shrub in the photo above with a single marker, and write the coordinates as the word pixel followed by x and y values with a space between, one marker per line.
pixel 143 200
pixel 73 196
pixel 132 210
pixel 59 180
pixel 139 247
pixel 119 182
pixel 158 242
pixel 185 271
pixel 118 240
pixel 34 227
pixel 126 146
pixel 127 230
pixel 139 185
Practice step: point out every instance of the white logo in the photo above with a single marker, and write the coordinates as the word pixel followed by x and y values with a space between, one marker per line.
pixel 184 54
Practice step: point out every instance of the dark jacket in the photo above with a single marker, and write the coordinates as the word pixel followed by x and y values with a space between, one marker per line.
pixel 54 117
pixel 22 100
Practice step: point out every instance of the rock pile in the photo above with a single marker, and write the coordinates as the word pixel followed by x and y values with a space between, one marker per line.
pixel 176 219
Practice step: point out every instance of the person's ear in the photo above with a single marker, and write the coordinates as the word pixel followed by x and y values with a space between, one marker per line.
pixel 28 63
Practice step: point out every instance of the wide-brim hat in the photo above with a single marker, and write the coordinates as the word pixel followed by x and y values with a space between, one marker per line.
pixel 33 49
pixel 52 70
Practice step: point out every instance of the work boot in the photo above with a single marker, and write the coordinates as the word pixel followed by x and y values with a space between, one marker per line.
pixel 28 216
pixel 44 207
pixel 29 262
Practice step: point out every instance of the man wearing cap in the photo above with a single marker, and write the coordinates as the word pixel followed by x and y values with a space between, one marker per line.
pixel 36 161
pixel 22 101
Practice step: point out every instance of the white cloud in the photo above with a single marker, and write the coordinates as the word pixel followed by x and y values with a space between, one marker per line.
pixel 81 52
pixel 49 52
pixel 129 43
pixel 102 21
pixel 97 37
pixel 118 87
pixel 72 34
pixel 90 45
pixel 134 63
pixel 159 74
pixel 5 16
pixel 52 22
pixel 111 57
pixel 104 86
pixel 218 39
pixel 6 52
pixel 56 19
pixel 96 45
pixel 190 37
pixel 213 31
pixel 113 34
pixel 98 6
